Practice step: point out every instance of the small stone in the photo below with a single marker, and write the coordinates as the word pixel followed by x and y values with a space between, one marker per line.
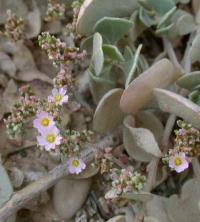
pixel 69 195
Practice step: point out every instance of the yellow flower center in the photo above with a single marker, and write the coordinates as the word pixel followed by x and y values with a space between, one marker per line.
pixel 58 98
pixel 75 163
pixel 45 122
pixel 178 161
pixel 51 138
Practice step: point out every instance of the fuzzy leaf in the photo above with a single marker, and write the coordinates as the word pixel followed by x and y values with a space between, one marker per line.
pixel 87 44
pixel 178 105
pixel 108 114
pixel 146 19
pixel 161 7
pixel 97 57
pixel 185 208
pixel 99 86
pixel 93 10
pixel 148 120
pixel 113 52
pixel 140 91
pixel 138 27
pixel 113 29
pixel 6 190
pixel 195 49
pixel 166 18
pixel 189 81
pixel 164 29
pixel 5 185
pixel 139 143
pixel 156 209
pixel 186 24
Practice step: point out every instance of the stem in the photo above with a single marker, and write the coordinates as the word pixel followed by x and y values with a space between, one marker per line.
pixel 171 53
pixel 22 197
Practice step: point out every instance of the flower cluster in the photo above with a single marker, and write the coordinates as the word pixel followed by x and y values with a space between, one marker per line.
pixel 50 136
pixel 124 181
pixel 22 111
pixel 71 27
pixel 73 141
pixel 187 145
pixel 62 57
pixel 47 112
pixel 55 10
pixel 58 51
pixel 14 27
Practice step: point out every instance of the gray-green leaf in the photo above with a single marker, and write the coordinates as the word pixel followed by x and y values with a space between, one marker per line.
pixel 99 86
pixel 97 57
pixel 93 10
pixel 139 143
pixel 113 52
pixel 178 105
pixel 108 114
pixel 113 29
pixel 140 91
pixel 189 81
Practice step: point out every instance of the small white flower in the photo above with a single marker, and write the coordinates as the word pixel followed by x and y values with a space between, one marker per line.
pixel 59 96
pixel 178 162
pixel 50 138
pixel 75 165
pixel 43 122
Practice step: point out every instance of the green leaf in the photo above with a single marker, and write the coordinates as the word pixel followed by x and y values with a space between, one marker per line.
pixel 195 96
pixel 160 7
pixel 108 114
pixel 140 91
pixel 99 86
pixel 165 18
pixel 145 18
pixel 183 1
pixel 189 81
pixel 92 11
pixel 164 29
pixel 113 29
pixel 173 103
pixel 97 57
pixel 138 27
pixel 139 143
pixel 113 52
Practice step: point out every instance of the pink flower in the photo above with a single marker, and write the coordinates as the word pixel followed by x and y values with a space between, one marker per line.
pixel 58 96
pixel 43 122
pixel 75 165
pixel 50 138
pixel 178 162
